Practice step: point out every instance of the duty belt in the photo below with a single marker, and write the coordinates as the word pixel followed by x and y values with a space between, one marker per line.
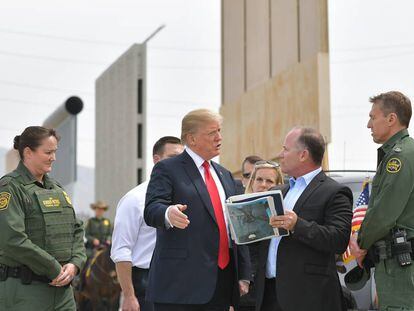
pixel 384 249
pixel 23 273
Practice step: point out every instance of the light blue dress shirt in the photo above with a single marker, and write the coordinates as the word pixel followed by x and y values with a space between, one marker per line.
pixel 297 186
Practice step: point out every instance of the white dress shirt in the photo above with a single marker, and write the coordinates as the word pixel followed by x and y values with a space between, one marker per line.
pixel 133 240
pixel 297 186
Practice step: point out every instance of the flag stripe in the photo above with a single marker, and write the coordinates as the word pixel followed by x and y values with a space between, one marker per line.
pixel 358 217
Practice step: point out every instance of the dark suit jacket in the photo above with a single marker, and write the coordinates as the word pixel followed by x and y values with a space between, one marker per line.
pixel 239 186
pixel 306 278
pixel 184 264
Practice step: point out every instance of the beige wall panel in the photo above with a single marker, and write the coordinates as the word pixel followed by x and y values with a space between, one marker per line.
pixel 233 69
pixel 284 34
pixel 257 42
pixel 250 113
pixel 231 124
pixel 324 96
pixel 268 111
pixel 313 28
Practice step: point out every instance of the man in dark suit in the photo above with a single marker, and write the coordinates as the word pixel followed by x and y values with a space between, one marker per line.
pixel 247 168
pixel 298 272
pixel 195 264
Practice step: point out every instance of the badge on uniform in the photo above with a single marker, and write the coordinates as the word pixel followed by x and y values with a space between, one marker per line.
pixel 4 200
pixel 106 222
pixel 393 165
pixel 51 202
pixel 67 197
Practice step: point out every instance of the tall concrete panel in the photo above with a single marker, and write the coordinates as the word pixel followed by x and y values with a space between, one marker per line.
pixel 313 27
pixel 284 35
pixel 233 36
pixel 64 121
pixel 286 70
pixel 257 42
pixel 120 126
pixel 258 122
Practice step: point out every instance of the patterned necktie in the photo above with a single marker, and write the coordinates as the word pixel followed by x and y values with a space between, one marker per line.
pixel 223 255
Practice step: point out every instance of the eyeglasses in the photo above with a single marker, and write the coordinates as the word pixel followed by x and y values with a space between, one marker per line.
pixel 271 163
pixel 258 163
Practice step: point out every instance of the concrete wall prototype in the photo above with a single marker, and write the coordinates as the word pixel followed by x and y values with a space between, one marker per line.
pixel 64 120
pixel 120 127
pixel 275 75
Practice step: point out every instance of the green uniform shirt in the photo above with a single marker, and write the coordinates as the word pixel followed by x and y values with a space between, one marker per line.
pixel 23 230
pixel 392 198
pixel 98 228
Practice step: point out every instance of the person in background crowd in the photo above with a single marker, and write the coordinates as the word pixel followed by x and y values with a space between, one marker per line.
pixel 41 240
pixel 265 175
pixel 133 241
pixel 98 229
pixel 247 168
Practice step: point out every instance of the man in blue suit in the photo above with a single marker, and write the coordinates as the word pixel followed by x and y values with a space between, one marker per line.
pixel 195 266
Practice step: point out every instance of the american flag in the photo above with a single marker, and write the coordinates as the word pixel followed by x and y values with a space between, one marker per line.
pixel 358 216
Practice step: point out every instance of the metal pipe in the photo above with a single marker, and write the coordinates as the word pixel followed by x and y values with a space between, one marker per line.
pixel 71 107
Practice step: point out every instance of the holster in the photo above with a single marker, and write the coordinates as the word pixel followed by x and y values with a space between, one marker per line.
pixel 371 258
pixel 26 275
pixel 3 273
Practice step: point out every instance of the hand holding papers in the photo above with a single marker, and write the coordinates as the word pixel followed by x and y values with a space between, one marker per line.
pixel 286 221
pixel 249 215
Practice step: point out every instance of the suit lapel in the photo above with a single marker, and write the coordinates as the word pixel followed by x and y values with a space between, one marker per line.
pixel 224 181
pixel 314 184
pixel 195 177
pixel 284 189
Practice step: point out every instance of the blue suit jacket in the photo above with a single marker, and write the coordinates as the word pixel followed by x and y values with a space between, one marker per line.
pixel 184 264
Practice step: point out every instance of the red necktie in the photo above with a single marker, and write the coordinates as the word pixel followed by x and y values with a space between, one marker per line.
pixel 223 256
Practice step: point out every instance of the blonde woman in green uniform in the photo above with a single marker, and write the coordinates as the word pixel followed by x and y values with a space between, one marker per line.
pixel 41 241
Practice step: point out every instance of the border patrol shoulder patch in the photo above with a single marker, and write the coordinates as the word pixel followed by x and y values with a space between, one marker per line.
pixel 394 165
pixel 67 197
pixel 4 200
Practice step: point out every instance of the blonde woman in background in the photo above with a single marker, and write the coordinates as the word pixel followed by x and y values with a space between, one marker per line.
pixel 265 175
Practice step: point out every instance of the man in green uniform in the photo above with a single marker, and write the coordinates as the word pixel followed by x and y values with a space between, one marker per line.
pixel 98 230
pixel 388 228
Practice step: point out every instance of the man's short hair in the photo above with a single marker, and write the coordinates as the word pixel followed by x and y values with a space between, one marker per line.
pixel 395 102
pixel 313 141
pixel 192 121
pixel 159 146
pixel 252 159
